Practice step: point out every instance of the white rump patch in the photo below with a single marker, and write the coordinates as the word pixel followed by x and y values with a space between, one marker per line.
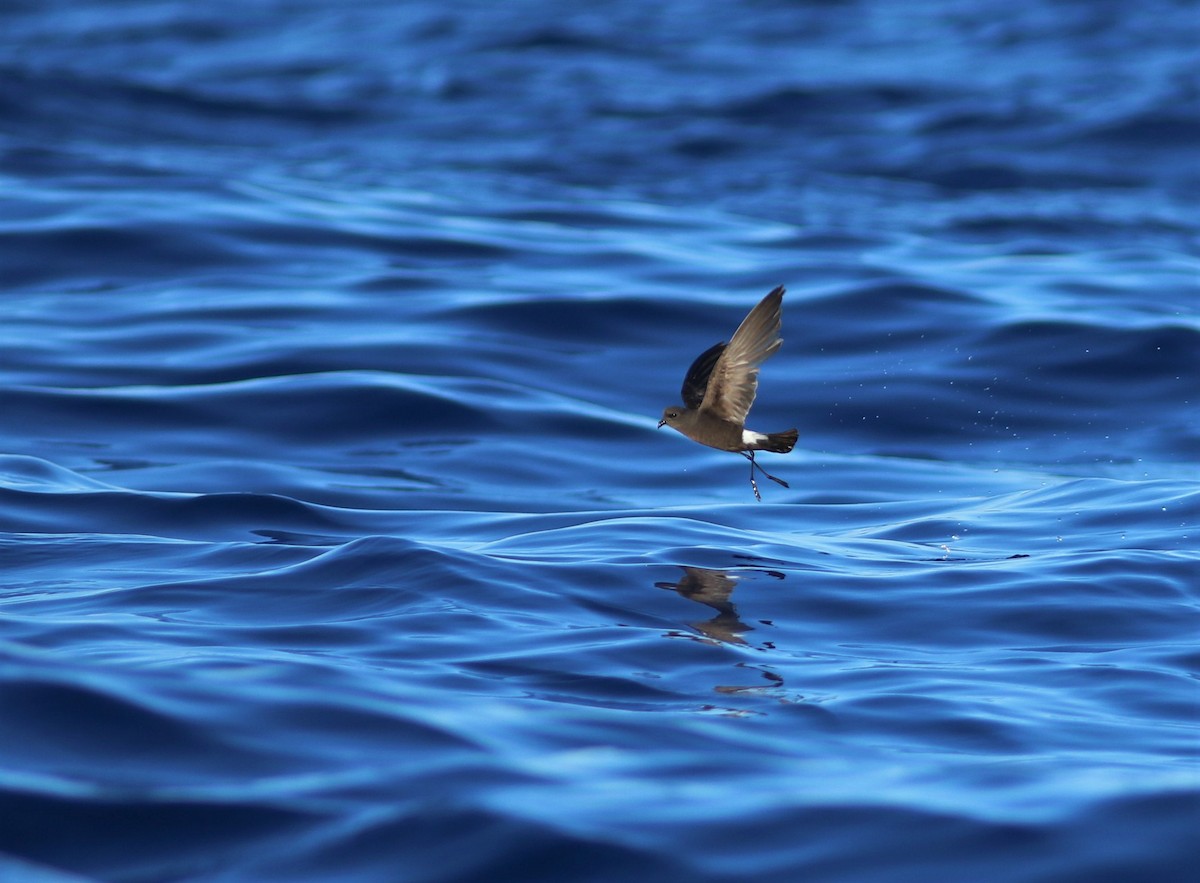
pixel 752 438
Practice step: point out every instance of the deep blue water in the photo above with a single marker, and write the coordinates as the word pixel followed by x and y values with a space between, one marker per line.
pixel 337 541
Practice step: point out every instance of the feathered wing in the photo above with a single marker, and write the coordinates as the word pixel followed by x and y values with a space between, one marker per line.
pixel 695 384
pixel 733 380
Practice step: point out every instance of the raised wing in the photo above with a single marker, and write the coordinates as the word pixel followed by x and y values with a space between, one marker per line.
pixel 733 380
pixel 696 382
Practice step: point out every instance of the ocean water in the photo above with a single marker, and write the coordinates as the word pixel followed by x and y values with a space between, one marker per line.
pixel 337 539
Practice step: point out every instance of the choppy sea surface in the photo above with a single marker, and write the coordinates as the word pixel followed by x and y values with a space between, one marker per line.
pixel 337 539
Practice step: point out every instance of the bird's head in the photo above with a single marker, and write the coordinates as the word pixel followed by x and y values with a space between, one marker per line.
pixel 671 416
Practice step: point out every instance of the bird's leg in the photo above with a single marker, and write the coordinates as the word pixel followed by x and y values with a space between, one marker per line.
pixel 749 455
pixel 753 483
pixel 773 478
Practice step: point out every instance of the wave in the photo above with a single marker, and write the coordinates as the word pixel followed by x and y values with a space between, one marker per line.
pixel 337 535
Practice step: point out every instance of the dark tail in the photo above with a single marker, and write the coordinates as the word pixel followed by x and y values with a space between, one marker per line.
pixel 780 442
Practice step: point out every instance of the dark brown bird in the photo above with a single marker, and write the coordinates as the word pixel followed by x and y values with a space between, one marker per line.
pixel 720 387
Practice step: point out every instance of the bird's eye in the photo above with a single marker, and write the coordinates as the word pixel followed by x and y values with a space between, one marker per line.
pixel 672 414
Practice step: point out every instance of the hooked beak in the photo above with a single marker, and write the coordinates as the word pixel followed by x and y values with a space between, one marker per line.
pixel 662 423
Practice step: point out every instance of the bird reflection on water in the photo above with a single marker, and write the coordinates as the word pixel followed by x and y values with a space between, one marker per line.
pixel 713 588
